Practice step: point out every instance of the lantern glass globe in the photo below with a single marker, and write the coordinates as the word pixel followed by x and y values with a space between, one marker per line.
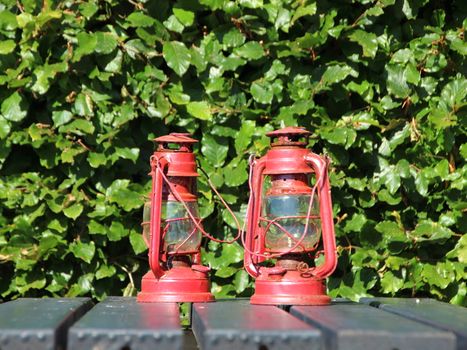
pixel 289 213
pixel 176 226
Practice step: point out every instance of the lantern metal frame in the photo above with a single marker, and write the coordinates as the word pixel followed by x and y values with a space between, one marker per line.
pixel 290 281
pixel 174 276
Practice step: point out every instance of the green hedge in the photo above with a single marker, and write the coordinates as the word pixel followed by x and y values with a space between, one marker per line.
pixel 86 85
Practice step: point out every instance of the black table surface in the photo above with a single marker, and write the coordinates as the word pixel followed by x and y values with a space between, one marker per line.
pixel 120 323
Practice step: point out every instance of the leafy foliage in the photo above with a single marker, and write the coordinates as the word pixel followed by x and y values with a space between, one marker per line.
pixel 86 86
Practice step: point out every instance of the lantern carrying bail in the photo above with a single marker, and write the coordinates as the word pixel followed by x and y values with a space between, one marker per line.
pixel 289 136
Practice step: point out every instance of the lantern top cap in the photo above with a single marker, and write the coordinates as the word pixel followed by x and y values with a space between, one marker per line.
pixel 292 136
pixel 290 130
pixel 176 137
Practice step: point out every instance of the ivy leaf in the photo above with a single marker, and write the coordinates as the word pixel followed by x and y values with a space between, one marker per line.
pixel 177 56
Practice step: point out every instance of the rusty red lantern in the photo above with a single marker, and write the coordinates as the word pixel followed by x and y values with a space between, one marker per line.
pixel 172 228
pixel 289 217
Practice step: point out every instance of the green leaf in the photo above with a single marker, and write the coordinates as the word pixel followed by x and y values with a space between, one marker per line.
pixel 233 38
pixel 454 93
pixel 428 230
pixel 335 74
pixel 83 105
pixel 7 20
pixel 137 242
pixel 105 271
pixel 200 110
pixel 440 275
pixel 73 211
pixel 253 4
pixel 397 81
pixel 7 47
pixel 5 127
pixel 14 108
pixel 61 117
pixel 391 283
pixel 304 10
pixel 236 174
pixel 460 250
pixel 139 19
pixel 214 149
pixel 244 136
pixel 45 74
pixel 118 192
pixel 241 281
pixel 340 136
pixel 355 223
pixel 185 17
pixel 368 41
pixel 117 231
pixel 262 92
pixel 177 56
pixel 127 153
pixel 86 45
pixel 392 180
pixel 83 251
pixel 421 183
pixel 106 43
pixel 251 50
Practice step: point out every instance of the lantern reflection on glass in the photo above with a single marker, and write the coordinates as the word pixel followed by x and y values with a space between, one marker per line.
pixel 171 226
pixel 289 215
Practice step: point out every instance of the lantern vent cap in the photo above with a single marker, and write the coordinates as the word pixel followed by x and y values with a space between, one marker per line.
pixel 176 142
pixel 176 137
pixel 289 136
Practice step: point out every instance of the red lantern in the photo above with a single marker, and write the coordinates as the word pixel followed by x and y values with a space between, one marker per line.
pixel 289 214
pixel 172 227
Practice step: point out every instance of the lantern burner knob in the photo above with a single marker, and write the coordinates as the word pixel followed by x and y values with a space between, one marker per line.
pixel 289 136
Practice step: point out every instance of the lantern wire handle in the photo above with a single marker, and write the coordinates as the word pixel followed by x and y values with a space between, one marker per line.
pixel 299 241
pixel 196 222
